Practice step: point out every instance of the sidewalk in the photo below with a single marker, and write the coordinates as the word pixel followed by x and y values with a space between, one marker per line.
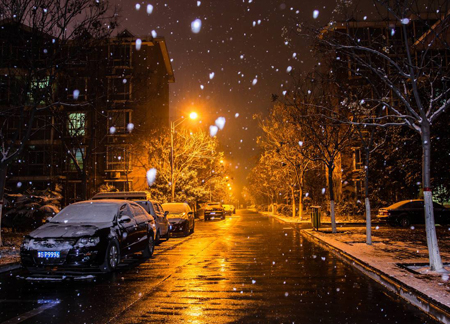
pixel 398 259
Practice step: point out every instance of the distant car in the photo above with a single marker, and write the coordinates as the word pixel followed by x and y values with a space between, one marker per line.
pixel 229 209
pixel 407 212
pixel 181 218
pixel 88 236
pixel 213 210
pixel 155 209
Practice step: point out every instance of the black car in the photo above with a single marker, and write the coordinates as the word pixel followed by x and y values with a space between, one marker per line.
pixel 407 212
pixel 213 210
pixel 181 218
pixel 89 235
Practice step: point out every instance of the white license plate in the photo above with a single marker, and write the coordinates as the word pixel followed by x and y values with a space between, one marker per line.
pixel 213 213
pixel 49 254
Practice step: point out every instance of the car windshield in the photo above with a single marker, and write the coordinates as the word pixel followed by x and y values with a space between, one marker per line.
pixel 86 213
pixel 174 208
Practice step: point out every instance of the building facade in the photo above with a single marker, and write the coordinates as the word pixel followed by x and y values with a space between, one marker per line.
pixel 102 98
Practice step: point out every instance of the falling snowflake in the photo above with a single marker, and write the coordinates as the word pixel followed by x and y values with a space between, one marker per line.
pixel 149 9
pixel 112 130
pixel 196 25
pixel 76 94
pixel 220 122
pixel 211 75
pixel 130 127
pixel 315 14
pixel 151 176
pixel 138 44
pixel 213 130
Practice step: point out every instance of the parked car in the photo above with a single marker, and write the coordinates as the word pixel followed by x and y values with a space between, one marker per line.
pixel 89 236
pixel 229 209
pixel 155 209
pixel 181 218
pixel 152 207
pixel 214 209
pixel 407 212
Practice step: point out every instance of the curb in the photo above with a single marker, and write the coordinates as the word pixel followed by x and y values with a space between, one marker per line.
pixel 425 303
pixel 10 267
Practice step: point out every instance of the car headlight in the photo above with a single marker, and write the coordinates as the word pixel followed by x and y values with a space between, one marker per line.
pixel 88 241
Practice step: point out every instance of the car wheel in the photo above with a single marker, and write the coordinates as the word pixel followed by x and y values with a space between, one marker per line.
pixel 158 238
pixel 186 229
pixel 404 221
pixel 112 257
pixel 193 227
pixel 150 248
pixel 167 235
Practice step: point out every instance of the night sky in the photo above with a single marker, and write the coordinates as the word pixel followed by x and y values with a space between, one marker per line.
pixel 233 65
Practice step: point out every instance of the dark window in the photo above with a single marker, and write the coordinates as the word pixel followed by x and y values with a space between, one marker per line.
pixel 126 211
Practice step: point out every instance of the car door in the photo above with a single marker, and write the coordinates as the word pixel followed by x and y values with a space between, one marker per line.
pixel 142 225
pixel 162 219
pixel 128 229
pixel 190 215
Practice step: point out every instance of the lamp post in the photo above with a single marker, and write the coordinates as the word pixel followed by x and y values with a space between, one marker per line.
pixel 173 125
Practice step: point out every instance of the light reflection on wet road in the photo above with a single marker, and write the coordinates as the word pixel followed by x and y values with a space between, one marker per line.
pixel 247 269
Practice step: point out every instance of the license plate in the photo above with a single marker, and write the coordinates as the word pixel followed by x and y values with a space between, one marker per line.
pixel 213 213
pixel 49 254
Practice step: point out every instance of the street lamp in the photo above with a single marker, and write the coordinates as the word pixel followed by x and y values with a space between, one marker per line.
pixel 173 124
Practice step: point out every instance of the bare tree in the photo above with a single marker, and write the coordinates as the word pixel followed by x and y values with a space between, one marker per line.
pixel 313 105
pixel 405 51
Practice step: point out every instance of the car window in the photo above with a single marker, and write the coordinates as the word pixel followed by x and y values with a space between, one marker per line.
pixel 160 209
pixel 125 210
pixel 414 204
pixel 137 210
pixel 436 205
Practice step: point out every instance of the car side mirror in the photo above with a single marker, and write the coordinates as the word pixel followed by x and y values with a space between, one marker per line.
pixel 191 213
pixel 124 219
pixel 166 213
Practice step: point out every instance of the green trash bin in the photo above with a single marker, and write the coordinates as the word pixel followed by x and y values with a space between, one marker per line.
pixel 315 217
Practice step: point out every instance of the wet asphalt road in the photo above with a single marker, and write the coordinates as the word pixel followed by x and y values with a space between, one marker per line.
pixel 246 269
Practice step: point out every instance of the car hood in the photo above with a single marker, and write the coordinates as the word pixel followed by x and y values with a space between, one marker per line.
pixel 56 230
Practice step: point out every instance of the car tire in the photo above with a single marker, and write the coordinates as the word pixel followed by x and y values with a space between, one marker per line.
pixel 158 238
pixel 112 257
pixel 150 247
pixel 167 235
pixel 187 230
pixel 193 227
pixel 404 221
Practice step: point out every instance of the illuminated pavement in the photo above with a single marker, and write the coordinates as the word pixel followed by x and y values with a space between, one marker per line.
pixel 247 269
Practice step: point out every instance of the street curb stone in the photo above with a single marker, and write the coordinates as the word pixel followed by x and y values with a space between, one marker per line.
pixel 425 303
pixel 9 267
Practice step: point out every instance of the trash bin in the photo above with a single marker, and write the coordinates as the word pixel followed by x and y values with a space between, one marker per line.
pixel 315 217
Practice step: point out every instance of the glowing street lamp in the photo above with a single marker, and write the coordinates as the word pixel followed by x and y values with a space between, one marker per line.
pixel 173 124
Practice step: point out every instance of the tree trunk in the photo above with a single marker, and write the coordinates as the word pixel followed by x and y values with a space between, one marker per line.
pixel 331 189
pixel 432 242
pixel 300 203
pixel 366 200
pixel 83 183
pixel 293 201
pixel 2 191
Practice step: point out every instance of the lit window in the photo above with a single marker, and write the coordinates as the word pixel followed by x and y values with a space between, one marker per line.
pixel 76 124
